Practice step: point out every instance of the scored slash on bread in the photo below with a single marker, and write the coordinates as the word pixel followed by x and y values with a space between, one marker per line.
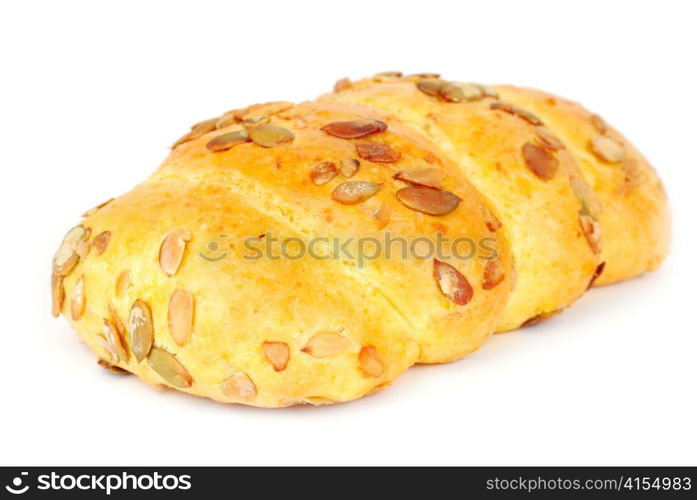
pixel 561 197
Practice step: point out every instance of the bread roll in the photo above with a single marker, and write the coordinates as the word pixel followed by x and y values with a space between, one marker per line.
pixel 308 254
pixel 280 332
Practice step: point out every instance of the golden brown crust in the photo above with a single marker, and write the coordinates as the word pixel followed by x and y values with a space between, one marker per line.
pixel 169 281
pixel 635 218
pixel 528 186
pixel 255 322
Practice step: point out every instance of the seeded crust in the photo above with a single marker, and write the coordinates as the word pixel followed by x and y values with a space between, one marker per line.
pixel 635 218
pixel 142 280
pixel 540 218
pixel 254 321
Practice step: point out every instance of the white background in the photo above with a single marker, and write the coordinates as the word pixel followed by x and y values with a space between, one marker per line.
pixel 93 93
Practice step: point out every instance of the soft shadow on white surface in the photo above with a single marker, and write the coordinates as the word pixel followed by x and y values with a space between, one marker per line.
pixel 606 375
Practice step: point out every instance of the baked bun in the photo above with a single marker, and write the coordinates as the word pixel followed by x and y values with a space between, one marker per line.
pixel 308 254
pixel 151 298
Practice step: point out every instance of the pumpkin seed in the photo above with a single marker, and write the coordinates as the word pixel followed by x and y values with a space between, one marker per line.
pixel 547 139
pixel 203 124
pixel 431 177
pixel 180 316
pixel 101 242
pixel 140 329
pixel 123 282
pixel 591 229
pixel 528 116
pixel 110 350
pixel 377 152
pixel 502 106
pixel 349 167
pixel 269 136
pixel 608 149
pixel 492 222
pixel 428 200
pixel 323 345
pixel 323 172
pixel 272 108
pixel 226 141
pixel 451 92
pixel 425 75
pixel 197 131
pixel 520 113
pixel 542 163
pixel 493 274
pixel 276 353
pixel 633 175
pixel 599 124
pixel 226 120
pixel 355 128
pixel 57 294
pixel 239 387
pixel 539 318
pixel 172 250
pixel 353 192
pixel 596 274
pixel 460 92
pixel 82 249
pixel 487 91
pixel 120 330
pixel 115 342
pixel 239 114
pixel 94 209
pixel 370 362
pixel 388 74
pixel 169 368
pixel 584 193
pixel 66 258
pixel 77 302
pixel 452 283
pixel 255 121
pixel 342 84
pixel 112 368
pixel 430 87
